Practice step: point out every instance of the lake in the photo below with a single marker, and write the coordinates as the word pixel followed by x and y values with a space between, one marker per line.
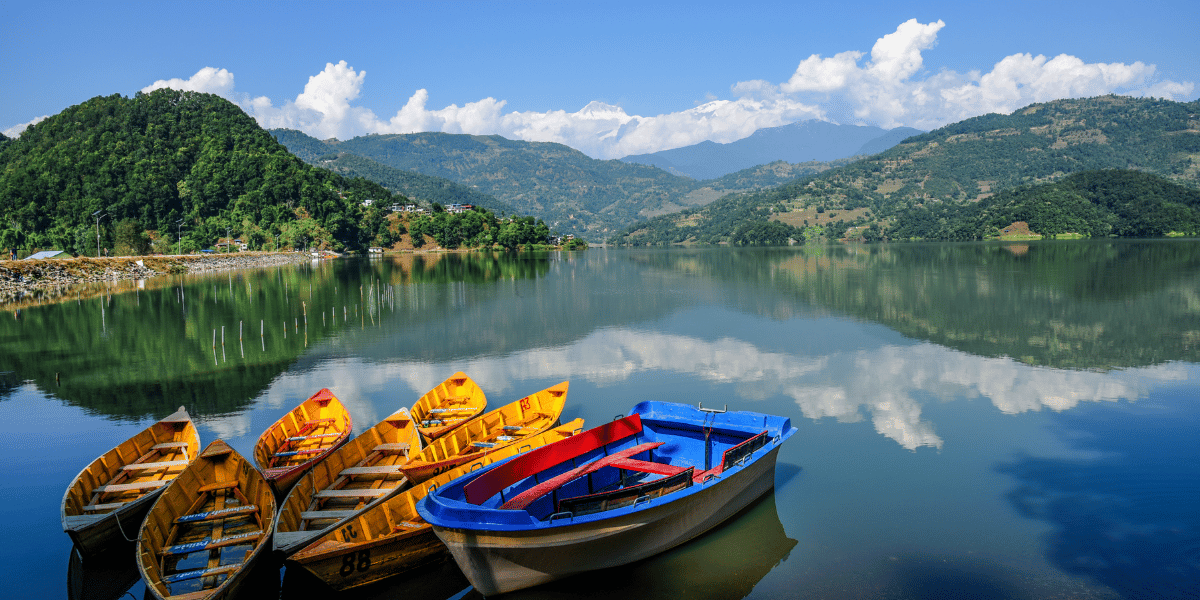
pixel 977 420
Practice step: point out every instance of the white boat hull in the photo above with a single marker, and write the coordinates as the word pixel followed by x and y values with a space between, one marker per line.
pixel 496 562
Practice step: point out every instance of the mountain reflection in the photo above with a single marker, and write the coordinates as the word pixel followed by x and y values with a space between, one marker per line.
pixel 886 385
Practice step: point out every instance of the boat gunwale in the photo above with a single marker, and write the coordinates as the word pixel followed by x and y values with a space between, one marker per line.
pixel 461 515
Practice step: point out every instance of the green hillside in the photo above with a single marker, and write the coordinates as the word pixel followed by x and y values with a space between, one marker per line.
pixel 171 162
pixel 962 162
pixel 425 189
pixel 1114 202
pixel 570 191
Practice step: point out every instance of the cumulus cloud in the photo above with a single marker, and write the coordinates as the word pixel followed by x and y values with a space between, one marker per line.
pixel 890 86
pixel 891 89
pixel 209 80
pixel 17 130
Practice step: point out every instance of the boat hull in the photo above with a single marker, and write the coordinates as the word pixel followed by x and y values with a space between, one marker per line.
pixel 496 562
pixel 360 564
pixel 114 528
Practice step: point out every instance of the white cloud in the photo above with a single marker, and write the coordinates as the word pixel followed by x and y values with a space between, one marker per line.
pixel 889 87
pixel 17 130
pixel 209 80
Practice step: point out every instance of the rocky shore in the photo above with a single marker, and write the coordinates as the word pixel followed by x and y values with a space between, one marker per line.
pixel 21 276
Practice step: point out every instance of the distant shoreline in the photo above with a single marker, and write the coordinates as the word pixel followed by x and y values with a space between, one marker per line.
pixel 19 277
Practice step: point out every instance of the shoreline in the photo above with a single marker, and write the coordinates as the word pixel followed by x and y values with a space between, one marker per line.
pixel 21 277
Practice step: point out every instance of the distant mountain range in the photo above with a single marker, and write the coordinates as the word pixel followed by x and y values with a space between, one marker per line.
pixel 805 141
pixel 572 192
pixel 963 162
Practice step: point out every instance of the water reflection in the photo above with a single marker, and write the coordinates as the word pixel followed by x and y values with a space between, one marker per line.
pixel 1128 516
pixel 106 576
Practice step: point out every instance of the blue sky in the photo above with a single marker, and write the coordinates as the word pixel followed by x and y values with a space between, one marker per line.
pixel 612 78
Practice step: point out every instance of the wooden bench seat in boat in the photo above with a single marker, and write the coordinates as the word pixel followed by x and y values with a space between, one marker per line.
pixel 155 465
pixel 169 446
pixel 129 487
pixel 336 515
pixel 372 470
pixel 365 493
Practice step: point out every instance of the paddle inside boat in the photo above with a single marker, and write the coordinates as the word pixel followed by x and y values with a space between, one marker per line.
pixel 451 403
pixel 106 502
pixel 504 426
pixel 607 497
pixel 362 472
pixel 207 528
pixel 301 438
pixel 390 538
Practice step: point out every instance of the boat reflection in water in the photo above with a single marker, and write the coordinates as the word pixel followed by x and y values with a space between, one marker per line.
pixel 104 576
pixel 435 582
pixel 726 563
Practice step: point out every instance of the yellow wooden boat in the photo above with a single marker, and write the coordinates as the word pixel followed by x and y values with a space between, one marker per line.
pixel 362 472
pixel 108 499
pixel 453 402
pixel 390 537
pixel 506 425
pixel 301 438
pixel 206 529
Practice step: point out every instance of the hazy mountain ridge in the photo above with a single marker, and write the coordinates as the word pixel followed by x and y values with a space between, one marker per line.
pixel 801 142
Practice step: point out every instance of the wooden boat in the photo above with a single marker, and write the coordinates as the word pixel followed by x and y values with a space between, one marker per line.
pixel 390 537
pixel 362 472
pixel 607 497
pixel 206 529
pixel 108 499
pixel 453 402
pixel 301 438
pixel 506 425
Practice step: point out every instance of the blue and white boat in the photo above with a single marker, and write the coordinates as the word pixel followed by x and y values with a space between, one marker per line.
pixel 609 496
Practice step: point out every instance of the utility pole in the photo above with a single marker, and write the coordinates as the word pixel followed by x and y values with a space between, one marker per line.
pixel 98 217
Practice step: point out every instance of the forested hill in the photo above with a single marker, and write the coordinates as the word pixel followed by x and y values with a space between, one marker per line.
pixel 171 162
pixel 572 192
pixel 960 163
pixel 1093 203
pixel 425 189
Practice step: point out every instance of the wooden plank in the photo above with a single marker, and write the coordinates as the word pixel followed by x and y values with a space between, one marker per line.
pixel 299 452
pixel 301 438
pixel 315 422
pixel 376 470
pixel 287 538
pixel 392 448
pixel 198 573
pixel 208 544
pixel 130 487
pixel 525 498
pixel 169 445
pixel 109 506
pixel 352 493
pixel 224 513
pixel 327 514
pixel 155 465
pixel 221 485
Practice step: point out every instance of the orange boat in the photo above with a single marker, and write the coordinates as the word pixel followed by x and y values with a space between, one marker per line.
pixel 361 473
pixel 390 537
pixel 301 438
pixel 497 429
pixel 203 533
pixel 447 406
pixel 108 499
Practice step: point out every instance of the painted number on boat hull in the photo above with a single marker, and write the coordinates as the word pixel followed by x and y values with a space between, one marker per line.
pixel 356 561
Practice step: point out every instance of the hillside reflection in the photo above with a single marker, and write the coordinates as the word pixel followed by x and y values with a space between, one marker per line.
pixel 1077 305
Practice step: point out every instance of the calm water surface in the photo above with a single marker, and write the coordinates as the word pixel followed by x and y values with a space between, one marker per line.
pixel 985 421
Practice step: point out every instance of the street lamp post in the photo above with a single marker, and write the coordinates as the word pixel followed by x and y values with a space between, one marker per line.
pixel 98 217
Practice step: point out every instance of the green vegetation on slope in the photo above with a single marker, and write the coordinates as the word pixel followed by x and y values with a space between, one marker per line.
pixel 170 162
pixel 1093 203
pixel 570 191
pixel 966 161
